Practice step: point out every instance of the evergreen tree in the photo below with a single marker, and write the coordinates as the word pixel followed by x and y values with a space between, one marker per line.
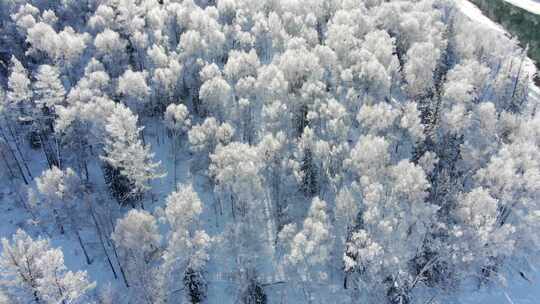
pixel 131 165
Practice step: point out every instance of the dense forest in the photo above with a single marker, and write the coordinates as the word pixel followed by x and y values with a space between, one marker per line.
pixel 270 151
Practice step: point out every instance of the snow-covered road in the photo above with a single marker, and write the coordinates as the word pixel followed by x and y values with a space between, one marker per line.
pixel 532 6
pixel 474 13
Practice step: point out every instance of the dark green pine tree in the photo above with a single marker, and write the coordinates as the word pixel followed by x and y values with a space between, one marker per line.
pixel 309 185
pixel 196 286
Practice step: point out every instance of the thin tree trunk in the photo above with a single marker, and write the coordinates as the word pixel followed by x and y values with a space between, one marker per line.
pixel 100 235
pixel 88 261
pixel 44 151
pixel 175 147
pixel 232 208
pixel 7 164
pixel 86 174
pixel 15 141
pixel 120 266
pixel 58 158
pixel 14 156
pixel 113 246
pixel 216 214
pixel 60 292
pixel 58 221
pixel 516 82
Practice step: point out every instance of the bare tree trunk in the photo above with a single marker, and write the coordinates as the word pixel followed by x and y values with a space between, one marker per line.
pixel 120 266
pixel 14 156
pixel 58 221
pixel 15 141
pixel 58 158
pixel 516 82
pixel 216 214
pixel 44 151
pixel 175 157
pixel 233 208
pixel 7 164
pixel 88 260
pixel 100 235
pixel 113 246
pixel 86 174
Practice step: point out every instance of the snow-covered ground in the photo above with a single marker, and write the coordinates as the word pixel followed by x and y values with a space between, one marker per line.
pixel 532 6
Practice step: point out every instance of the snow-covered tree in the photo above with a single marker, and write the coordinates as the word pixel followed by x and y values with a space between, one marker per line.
pixel 215 92
pixel 235 171
pixel 59 195
pixel 187 250
pixel 178 121
pixel 58 190
pixel 129 163
pixel 393 241
pixel 177 118
pixel 112 50
pixel 64 48
pixel 32 271
pixel 133 88
pixel 49 93
pixel 309 248
pixel 422 60
pixel 204 138
pixel 19 93
pixel 137 238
